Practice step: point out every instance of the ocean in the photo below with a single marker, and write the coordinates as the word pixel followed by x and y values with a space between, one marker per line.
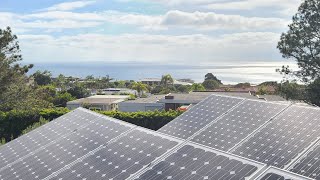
pixel 229 74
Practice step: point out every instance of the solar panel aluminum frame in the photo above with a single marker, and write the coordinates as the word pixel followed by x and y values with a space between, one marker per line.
pixel 282 172
pixel 259 165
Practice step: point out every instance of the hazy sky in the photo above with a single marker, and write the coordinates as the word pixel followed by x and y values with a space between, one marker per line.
pixel 175 31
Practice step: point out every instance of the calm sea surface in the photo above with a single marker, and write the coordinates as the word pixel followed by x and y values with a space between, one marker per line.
pixel 229 74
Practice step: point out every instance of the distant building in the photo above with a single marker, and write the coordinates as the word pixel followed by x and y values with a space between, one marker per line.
pixel 113 91
pixel 99 102
pixel 176 100
pixel 142 104
pixel 157 82
pixel 151 81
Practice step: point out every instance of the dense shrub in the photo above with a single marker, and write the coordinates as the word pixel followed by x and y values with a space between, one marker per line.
pixel 15 123
pixel 151 119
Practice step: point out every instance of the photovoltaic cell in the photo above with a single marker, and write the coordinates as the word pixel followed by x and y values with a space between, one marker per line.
pixel 278 174
pixel 121 159
pixel 284 137
pixel 309 165
pixel 238 124
pixel 195 162
pixel 199 116
pixel 68 149
pixel 43 135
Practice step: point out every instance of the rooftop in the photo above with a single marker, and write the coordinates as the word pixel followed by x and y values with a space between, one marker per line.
pixel 150 99
pixel 100 99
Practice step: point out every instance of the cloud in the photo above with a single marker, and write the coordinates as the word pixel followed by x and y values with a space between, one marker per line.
pixel 284 6
pixel 67 6
pixel 211 21
pixel 191 49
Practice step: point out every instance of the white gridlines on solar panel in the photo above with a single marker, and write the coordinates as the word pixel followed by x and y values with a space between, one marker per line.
pixel 122 158
pixel 288 135
pixel 273 173
pixel 238 124
pixel 309 164
pixel 68 149
pixel 199 116
pixel 42 136
pixel 196 162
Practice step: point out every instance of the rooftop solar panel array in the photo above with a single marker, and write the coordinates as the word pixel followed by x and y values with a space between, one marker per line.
pixel 51 156
pixel 122 158
pixel 196 162
pixel 43 135
pixel 284 138
pixel 309 164
pixel 243 120
pixel 196 145
pixel 199 116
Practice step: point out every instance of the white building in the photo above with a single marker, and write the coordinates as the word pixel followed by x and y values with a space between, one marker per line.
pixel 99 102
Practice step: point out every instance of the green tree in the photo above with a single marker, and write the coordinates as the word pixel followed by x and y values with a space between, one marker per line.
pixel 242 85
pixel 78 91
pixel 61 99
pixel 197 87
pixel 291 90
pixel 313 92
pixel 211 84
pixel 139 87
pixel 301 42
pixel 16 89
pixel 210 76
pixel 42 78
pixel 166 80
pixel 184 88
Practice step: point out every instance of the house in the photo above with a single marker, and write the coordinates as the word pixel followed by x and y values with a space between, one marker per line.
pixel 99 102
pixel 142 104
pixel 151 81
pixel 176 100
pixel 113 91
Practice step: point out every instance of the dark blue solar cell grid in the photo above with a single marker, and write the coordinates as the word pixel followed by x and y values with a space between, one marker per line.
pixel 55 156
pixel 121 159
pixel 199 116
pixel 190 162
pixel 309 165
pixel 43 135
pixel 238 124
pixel 283 138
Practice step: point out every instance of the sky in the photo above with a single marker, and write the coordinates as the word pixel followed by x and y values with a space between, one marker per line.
pixel 200 32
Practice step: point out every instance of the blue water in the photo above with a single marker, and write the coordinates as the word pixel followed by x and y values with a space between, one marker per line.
pixel 134 71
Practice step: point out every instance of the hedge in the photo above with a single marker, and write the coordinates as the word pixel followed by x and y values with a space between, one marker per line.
pixel 15 123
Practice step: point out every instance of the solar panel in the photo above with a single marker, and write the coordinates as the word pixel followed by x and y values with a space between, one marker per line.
pixel 238 124
pixel 273 173
pixel 44 135
pixel 309 164
pixel 196 162
pixel 284 137
pixel 47 159
pixel 199 116
pixel 123 158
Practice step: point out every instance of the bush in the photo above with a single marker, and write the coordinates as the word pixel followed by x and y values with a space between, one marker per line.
pixel 15 123
pixel 152 119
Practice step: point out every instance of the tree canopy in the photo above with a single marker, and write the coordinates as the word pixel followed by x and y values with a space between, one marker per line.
pixel 302 41
pixel 16 90
pixel 210 76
